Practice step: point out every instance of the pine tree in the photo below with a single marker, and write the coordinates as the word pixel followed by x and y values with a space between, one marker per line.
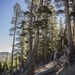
pixel 17 10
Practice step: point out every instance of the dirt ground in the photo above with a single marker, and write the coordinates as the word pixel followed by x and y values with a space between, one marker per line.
pixel 68 71
pixel 63 71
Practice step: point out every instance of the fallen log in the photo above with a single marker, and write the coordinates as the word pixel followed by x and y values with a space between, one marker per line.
pixel 49 68
pixel 48 71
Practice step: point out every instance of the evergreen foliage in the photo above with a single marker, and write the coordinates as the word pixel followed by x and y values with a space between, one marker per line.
pixel 36 33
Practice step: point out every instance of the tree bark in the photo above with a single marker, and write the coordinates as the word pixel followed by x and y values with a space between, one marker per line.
pixel 46 47
pixel 74 22
pixel 74 31
pixel 68 23
pixel 33 53
pixel 48 71
pixel 30 35
pixel 13 42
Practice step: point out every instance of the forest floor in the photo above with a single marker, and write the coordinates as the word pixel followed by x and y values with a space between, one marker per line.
pixel 49 69
pixel 68 71
pixel 44 67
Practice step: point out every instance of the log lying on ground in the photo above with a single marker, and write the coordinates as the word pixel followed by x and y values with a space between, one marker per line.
pixel 45 69
pixel 48 71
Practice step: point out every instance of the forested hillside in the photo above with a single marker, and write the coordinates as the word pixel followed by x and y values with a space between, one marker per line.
pixel 3 55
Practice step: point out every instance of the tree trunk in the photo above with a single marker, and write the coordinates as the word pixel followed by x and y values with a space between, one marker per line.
pixel 13 43
pixel 61 32
pixel 30 35
pixel 22 49
pixel 70 40
pixel 49 71
pixel 16 61
pixel 46 47
pixel 74 22
pixel 74 31
pixel 30 61
pixel 33 55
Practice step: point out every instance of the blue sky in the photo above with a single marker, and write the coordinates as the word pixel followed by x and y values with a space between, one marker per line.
pixel 6 14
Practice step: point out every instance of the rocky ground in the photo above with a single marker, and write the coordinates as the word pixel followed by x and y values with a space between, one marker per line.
pixel 68 71
pixel 49 69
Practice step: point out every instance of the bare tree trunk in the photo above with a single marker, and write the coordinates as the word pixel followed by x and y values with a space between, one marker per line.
pixel 30 61
pixel 33 53
pixel 70 40
pixel 16 61
pixel 30 36
pixel 74 31
pixel 11 67
pixel 74 21
pixel 46 47
pixel 61 32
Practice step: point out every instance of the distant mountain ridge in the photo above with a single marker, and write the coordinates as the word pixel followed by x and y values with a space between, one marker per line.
pixel 3 55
